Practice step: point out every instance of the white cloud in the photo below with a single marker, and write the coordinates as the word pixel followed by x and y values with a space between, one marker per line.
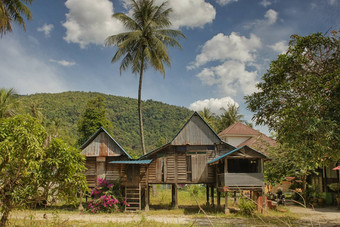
pixel 271 16
pixel 187 13
pixel 46 29
pixel 191 13
pixel 215 105
pixel 265 3
pixel 28 73
pixel 88 22
pixel 225 2
pixel 63 62
pixel 230 77
pixel 332 2
pixel 280 46
pixel 223 47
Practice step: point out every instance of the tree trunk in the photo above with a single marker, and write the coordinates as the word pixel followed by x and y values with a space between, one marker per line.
pixel 140 104
pixel 4 218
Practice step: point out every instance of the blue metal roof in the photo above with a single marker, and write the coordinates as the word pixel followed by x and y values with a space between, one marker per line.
pixel 237 149
pixel 137 162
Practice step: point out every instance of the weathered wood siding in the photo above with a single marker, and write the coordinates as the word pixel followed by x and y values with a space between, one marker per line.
pixel 102 146
pixel 196 132
pixel 175 169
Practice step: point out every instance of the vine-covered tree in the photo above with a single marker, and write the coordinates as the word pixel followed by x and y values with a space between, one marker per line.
pixel 145 43
pixel 92 119
pixel 299 100
pixel 13 10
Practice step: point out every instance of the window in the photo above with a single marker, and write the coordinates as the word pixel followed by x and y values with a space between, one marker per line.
pixel 189 168
pixel 243 166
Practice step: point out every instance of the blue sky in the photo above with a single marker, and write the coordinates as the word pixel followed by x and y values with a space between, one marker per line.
pixel 229 46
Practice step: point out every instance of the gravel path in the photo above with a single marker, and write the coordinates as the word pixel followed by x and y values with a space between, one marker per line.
pixel 329 217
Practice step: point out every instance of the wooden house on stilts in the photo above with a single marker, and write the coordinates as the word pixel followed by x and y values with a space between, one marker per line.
pixel 196 155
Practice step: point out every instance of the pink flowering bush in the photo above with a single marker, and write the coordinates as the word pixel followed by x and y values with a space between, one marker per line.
pixel 106 198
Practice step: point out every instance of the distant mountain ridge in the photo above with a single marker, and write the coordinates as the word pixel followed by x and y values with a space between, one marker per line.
pixel 161 121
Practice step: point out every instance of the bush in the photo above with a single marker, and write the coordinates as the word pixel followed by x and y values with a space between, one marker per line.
pixel 247 206
pixel 106 198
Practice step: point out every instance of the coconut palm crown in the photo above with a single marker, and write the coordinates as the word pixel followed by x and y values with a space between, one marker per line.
pixel 145 42
pixel 13 10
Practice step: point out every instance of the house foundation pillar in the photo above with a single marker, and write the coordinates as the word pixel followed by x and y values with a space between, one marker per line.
pixel 207 193
pixel 174 196
pixel 212 196
pixel 226 208
pixel 147 197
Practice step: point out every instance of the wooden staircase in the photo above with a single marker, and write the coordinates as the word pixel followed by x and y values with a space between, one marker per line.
pixel 133 198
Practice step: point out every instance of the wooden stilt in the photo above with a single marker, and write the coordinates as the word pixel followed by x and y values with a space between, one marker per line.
pixel 81 208
pixel 212 196
pixel 218 198
pixel 234 198
pixel 263 200
pixel 174 196
pixel 226 209
pixel 207 193
pixel 147 197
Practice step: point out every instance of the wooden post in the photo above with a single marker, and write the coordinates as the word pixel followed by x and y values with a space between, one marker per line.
pixel 234 198
pixel 263 200
pixel 174 196
pixel 207 193
pixel 212 196
pixel 81 208
pixel 226 209
pixel 218 199
pixel 147 208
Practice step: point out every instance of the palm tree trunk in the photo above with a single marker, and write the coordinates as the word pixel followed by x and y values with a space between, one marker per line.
pixel 140 104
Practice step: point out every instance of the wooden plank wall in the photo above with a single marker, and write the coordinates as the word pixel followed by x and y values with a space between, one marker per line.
pixel 102 146
pixel 196 132
pixel 175 161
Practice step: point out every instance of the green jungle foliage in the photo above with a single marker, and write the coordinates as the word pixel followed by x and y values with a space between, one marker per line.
pixel 62 111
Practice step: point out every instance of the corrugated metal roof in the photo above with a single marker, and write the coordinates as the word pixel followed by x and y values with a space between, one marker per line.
pixel 101 129
pixel 237 149
pixel 136 162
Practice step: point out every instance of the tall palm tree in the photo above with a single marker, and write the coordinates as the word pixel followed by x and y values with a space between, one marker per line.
pixel 229 117
pixel 13 10
pixel 7 104
pixel 145 43
pixel 209 117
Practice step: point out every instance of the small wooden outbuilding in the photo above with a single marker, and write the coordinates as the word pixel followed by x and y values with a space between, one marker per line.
pixel 99 150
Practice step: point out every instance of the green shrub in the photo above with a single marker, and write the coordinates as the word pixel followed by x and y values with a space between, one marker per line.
pixel 247 206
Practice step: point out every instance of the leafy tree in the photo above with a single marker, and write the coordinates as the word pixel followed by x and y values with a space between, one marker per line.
pixel 92 119
pixel 145 43
pixel 21 145
pixel 229 117
pixel 13 10
pixel 26 165
pixel 8 104
pixel 62 173
pixel 299 99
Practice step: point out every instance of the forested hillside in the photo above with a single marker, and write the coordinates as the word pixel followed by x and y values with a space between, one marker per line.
pixel 61 112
